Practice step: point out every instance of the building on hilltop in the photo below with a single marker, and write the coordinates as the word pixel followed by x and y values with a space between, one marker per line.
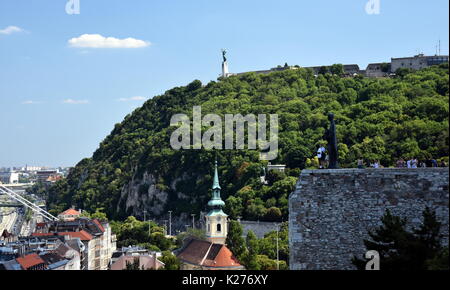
pixel 373 70
pixel 211 254
pixel 417 62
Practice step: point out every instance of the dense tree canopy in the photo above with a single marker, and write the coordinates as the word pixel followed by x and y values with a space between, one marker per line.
pixel 376 119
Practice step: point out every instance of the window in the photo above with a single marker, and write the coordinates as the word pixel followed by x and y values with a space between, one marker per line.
pixel 219 227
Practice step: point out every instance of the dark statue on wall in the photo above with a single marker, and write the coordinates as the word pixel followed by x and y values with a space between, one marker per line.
pixel 330 136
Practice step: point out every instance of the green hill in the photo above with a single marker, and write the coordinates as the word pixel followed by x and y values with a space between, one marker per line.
pixel 378 119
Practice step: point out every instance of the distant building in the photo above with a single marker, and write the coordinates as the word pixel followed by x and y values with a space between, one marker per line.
pixel 69 215
pixel 31 168
pixel 97 241
pixel 276 167
pixel 417 62
pixel 10 177
pixel 373 70
pixel 47 175
pixel 349 69
pixel 146 262
pixel 378 70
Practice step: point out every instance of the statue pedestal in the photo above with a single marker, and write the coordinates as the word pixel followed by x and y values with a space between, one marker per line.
pixel 225 71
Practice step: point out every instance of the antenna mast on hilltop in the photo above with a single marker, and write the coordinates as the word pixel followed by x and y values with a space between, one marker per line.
pixel 439 47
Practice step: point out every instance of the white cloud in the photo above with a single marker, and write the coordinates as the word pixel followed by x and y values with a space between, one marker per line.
pixel 75 102
pixel 11 29
pixel 29 102
pixel 99 41
pixel 137 98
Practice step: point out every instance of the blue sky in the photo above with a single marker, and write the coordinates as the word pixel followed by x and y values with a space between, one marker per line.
pixel 59 99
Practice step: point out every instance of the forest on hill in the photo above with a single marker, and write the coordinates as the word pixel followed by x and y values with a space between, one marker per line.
pixel 135 168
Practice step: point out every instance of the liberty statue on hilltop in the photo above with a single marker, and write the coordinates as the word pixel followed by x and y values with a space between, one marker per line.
pixel 224 52
pixel 225 72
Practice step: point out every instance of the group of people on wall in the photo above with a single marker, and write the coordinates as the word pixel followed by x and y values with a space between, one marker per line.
pixel 401 163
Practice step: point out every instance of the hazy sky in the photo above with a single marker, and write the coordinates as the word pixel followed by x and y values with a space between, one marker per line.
pixel 65 80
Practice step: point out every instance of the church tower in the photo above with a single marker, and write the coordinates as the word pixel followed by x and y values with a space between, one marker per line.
pixel 216 219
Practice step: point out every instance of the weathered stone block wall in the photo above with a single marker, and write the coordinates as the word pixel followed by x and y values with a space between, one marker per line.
pixel 259 228
pixel 331 210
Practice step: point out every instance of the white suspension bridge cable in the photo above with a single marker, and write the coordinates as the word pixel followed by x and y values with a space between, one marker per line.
pixel 27 203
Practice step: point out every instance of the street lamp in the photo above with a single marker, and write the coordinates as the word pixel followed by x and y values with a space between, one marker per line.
pixel 278 255
pixel 165 227
pixel 170 223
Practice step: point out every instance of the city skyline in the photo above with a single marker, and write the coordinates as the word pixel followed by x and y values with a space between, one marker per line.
pixel 67 81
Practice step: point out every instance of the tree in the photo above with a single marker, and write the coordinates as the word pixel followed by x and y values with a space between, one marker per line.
pixel 273 214
pixel 323 70
pixel 171 262
pixel 234 207
pixel 401 249
pixel 250 259
pixel 235 242
pixel 337 69
pixel 133 266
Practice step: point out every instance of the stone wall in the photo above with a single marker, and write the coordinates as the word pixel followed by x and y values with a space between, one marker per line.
pixel 331 211
pixel 259 228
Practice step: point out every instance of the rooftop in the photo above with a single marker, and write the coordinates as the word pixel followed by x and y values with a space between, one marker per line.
pixel 204 253
pixel 30 260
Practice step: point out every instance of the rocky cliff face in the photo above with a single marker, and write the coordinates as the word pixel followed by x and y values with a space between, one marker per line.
pixel 144 194
pixel 140 194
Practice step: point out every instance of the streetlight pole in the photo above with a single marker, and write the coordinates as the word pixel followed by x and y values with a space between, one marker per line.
pixel 170 223
pixel 278 255
pixel 193 221
pixel 145 212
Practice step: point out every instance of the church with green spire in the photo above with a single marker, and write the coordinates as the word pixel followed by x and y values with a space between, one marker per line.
pixel 216 219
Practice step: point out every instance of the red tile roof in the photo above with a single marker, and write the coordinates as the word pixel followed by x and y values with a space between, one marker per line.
pixel 29 261
pixel 99 225
pixel 70 211
pixel 43 234
pixel 224 258
pixel 82 235
pixel 207 254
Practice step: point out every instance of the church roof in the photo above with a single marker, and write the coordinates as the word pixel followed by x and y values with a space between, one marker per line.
pixel 207 254
pixel 216 212
pixel 216 201
pixel 216 184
